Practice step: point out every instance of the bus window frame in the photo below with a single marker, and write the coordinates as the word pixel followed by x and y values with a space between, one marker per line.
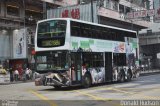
pixel 101 32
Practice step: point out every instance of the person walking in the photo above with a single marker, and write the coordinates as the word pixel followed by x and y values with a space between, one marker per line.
pixel 27 71
pixel 16 75
pixel 11 74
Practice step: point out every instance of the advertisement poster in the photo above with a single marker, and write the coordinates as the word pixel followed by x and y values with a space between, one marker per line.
pixel 87 44
pixel 118 47
pixel 95 45
pixel 19 43
pixel 131 51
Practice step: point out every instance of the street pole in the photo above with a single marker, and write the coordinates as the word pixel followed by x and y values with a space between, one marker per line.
pixel 92 11
pixel 24 14
pixel 44 10
pixel 24 23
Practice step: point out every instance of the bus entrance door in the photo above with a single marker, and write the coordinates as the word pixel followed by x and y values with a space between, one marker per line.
pixel 76 68
pixel 108 66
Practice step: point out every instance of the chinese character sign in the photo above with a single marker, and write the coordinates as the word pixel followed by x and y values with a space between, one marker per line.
pixel 65 14
pixel 73 13
pixel 140 14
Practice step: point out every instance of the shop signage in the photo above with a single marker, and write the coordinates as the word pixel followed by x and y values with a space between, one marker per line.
pixel 140 14
pixel 80 12
pixel 73 13
pixel 4 78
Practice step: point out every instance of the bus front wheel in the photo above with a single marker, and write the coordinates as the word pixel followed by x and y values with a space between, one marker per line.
pixel 87 81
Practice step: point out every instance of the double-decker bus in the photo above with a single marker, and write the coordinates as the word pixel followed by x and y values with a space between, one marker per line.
pixel 72 52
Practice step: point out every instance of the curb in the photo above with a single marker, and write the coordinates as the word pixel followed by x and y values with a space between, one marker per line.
pixel 150 73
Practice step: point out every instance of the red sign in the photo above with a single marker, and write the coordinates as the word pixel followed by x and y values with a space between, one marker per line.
pixel 73 13
pixel 140 14
pixel 65 14
pixel 144 13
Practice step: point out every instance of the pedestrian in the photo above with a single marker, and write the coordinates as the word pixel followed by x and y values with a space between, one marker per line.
pixel 11 74
pixel 27 72
pixel 30 74
pixel 16 75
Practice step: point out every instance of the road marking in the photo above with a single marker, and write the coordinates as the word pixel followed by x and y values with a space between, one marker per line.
pixel 153 90
pixel 43 98
pixel 97 97
pixel 133 94
pixel 122 91
pixel 92 96
pixel 110 88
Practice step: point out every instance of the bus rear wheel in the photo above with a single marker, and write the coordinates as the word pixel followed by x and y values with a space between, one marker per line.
pixel 121 77
pixel 87 81
pixel 129 75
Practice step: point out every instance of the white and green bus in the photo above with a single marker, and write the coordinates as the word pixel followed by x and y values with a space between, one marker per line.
pixel 72 52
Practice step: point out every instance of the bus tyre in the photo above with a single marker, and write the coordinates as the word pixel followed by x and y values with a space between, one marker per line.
pixel 129 75
pixel 121 76
pixel 87 81
pixel 56 87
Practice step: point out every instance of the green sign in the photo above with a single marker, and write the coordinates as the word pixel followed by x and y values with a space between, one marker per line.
pixel 75 44
pixel 91 41
pixel 134 45
pixel 84 44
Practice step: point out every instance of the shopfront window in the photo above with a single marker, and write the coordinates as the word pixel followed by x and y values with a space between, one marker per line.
pixel 12 10
pixel 108 4
pixel 115 5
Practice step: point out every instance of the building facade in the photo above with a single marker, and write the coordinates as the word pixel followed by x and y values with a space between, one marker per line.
pixel 150 40
pixel 18 22
pixel 150 46
pixel 108 12
pixel 17 27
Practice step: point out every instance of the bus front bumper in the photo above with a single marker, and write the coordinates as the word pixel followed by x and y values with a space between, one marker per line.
pixel 52 82
pixel 47 81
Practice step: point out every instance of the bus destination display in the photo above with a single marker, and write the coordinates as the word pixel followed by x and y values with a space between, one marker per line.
pixel 48 43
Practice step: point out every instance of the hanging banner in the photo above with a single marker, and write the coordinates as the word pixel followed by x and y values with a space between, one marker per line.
pixel 19 44
pixel 81 12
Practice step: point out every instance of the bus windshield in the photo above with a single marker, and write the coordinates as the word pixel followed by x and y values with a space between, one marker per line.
pixel 52 61
pixel 51 33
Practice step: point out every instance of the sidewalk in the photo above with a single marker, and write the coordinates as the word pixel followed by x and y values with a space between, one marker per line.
pixel 151 71
pixel 143 73
pixel 16 82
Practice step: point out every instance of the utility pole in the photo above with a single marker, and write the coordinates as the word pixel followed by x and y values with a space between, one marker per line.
pixel 44 10
pixel 92 11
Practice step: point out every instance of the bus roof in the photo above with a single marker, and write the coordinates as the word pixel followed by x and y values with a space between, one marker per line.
pixel 91 23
